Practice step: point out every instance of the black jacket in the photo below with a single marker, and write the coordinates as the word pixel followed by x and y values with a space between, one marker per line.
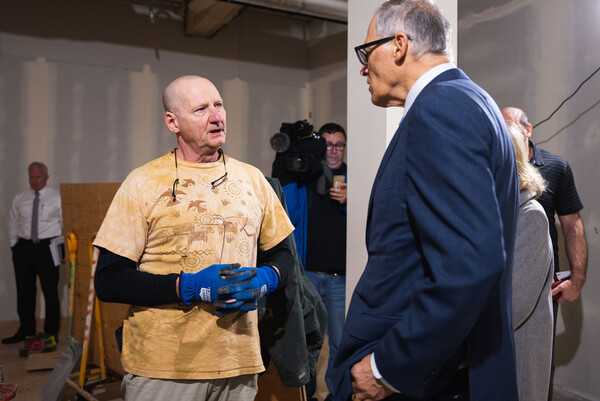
pixel 292 321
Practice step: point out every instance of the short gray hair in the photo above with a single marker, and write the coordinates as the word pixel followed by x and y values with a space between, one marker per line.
pixel 38 165
pixel 422 20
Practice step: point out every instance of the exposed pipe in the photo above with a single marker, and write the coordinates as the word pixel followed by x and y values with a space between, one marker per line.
pixel 334 10
pixel 174 9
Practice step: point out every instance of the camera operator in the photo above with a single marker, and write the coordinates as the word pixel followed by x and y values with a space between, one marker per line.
pixel 317 204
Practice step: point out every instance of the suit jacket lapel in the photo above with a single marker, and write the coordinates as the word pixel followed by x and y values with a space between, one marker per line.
pixel 386 157
pixel 454 73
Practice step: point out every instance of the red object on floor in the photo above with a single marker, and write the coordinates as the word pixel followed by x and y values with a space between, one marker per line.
pixel 7 391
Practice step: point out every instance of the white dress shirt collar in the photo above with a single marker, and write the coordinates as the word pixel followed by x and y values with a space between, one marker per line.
pixel 422 82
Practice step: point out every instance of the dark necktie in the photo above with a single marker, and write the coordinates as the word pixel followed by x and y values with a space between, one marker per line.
pixel 34 217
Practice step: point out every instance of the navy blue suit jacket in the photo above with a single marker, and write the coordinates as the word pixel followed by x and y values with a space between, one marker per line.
pixel 441 226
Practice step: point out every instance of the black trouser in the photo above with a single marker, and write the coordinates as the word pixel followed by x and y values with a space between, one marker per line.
pixel 456 390
pixel 33 260
pixel 551 387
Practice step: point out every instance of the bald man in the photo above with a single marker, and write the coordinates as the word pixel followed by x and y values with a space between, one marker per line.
pixel 561 198
pixel 172 244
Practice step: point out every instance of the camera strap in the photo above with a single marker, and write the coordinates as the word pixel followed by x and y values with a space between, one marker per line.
pixel 325 179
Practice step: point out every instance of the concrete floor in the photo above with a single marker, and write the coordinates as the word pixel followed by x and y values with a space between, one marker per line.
pixel 31 383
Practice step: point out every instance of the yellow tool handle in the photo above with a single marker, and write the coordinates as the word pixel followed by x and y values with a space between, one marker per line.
pixel 72 244
pixel 94 252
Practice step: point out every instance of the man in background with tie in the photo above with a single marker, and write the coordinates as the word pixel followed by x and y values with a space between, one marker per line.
pixel 35 219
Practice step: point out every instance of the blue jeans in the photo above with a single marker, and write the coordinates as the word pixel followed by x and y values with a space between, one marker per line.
pixel 332 290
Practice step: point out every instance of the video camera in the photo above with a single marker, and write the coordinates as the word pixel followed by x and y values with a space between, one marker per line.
pixel 299 152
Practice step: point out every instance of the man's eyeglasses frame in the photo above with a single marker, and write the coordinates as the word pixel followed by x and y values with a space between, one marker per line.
pixel 338 146
pixel 363 54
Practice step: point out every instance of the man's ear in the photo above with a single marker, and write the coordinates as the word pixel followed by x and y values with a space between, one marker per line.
pixel 172 123
pixel 529 129
pixel 400 47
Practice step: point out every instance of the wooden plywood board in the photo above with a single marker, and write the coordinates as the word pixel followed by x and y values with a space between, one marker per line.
pixel 84 207
pixel 43 360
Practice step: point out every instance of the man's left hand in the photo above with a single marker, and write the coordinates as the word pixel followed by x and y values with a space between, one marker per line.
pixel 365 387
pixel 244 295
pixel 339 194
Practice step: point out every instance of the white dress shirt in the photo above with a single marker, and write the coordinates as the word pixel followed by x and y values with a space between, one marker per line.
pixel 49 215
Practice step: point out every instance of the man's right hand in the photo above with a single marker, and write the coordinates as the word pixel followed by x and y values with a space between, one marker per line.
pixel 207 284
pixel 364 384
pixel 567 290
pixel 339 194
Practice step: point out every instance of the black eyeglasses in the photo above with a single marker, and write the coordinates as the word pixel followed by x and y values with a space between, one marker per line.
pixel 176 175
pixel 214 184
pixel 363 55
pixel 222 178
pixel 337 146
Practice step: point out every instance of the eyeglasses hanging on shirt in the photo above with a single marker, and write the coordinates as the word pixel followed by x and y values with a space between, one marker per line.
pixel 214 184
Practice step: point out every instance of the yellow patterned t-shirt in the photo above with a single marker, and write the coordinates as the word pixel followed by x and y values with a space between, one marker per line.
pixel 201 226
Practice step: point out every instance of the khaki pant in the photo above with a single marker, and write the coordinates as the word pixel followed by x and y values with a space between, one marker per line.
pixel 240 388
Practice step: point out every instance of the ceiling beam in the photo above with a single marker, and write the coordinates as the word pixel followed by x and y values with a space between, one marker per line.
pixel 205 18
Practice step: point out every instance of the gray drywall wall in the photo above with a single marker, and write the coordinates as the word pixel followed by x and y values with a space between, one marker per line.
pixel 81 85
pixel 533 54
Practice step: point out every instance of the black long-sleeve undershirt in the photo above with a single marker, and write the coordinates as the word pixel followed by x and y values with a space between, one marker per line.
pixel 118 279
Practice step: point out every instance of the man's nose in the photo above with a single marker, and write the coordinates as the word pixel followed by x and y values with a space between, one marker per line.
pixel 215 116
pixel 364 70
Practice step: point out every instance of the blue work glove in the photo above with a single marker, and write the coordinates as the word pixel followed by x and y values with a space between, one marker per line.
pixel 209 284
pixel 247 293
pixel 234 306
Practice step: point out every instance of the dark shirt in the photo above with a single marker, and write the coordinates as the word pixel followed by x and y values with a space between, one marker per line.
pixel 560 196
pixel 326 239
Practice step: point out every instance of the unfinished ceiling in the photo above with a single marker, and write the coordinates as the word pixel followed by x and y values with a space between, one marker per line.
pixel 204 18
